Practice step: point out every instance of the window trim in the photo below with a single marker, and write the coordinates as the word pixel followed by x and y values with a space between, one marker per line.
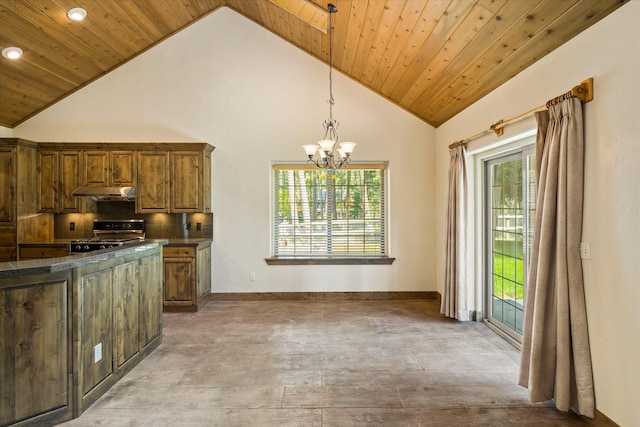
pixel 329 259
pixel 372 260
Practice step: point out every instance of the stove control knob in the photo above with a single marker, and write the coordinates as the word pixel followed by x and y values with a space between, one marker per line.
pixel 103 247
pixel 77 248
pixel 110 246
pixel 86 247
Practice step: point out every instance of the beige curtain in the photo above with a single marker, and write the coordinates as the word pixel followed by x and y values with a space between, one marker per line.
pixel 455 296
pixel 555 359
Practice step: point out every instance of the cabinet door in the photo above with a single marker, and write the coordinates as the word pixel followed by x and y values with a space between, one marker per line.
pixel 48 181
pixel 122 170
pixel 186 181
pixel 35 338
pixel 69 180
pixel 150 299
pixel 204 272
pixel 7 186
pixel 127 314
pixel 96 312
pixel 152 191
pixel 206 182
pixel 58 176
pixel 179 281
pixel 96 168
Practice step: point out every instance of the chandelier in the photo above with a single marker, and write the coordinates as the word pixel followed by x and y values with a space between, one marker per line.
pixel 327 153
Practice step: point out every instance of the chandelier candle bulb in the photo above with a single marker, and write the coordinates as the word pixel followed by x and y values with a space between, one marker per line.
pixel 348 147
pixel 310 149
pixel 326 145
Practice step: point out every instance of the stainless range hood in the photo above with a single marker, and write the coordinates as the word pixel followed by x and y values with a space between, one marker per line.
pixel 114 194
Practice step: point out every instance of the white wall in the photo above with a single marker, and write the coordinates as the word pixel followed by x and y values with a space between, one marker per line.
pixel 6 132
pixel 257 99
pixel 610 53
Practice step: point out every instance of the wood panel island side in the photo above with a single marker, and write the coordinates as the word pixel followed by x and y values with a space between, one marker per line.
pixel 72 326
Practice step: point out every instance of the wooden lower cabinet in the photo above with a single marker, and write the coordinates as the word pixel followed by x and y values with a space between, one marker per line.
pixel 118 311
pixel 35 343
pixel 127 311
pixel 95 321
pixel 150 300
pixel 66 337
pixel 187 276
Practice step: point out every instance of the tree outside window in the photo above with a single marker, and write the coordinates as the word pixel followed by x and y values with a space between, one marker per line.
pixel 322 212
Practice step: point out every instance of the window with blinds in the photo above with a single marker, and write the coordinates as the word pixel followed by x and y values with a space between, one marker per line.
pixel 324 213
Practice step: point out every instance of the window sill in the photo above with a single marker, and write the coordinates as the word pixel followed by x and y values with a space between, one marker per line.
pixel 330 261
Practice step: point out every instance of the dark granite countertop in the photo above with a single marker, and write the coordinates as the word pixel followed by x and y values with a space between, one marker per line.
pixel 14 269
pixel 170 241
pixel 189 241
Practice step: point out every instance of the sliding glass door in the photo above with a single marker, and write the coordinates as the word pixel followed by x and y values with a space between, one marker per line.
pixel 509 220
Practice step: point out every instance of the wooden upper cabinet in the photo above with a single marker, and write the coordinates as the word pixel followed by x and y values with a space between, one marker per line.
pixel 174 180
pixel 58 176
pixel 186 181
pixel 69 180
pixel 48 181
pixel 122 168
pixel 96 168
pixel 191 181
pixel 152 187
pixel 168 177
pixel 19 220
pixel 8 184
pixel 109 168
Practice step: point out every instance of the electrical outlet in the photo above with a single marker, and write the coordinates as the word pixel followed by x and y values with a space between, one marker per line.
pixel 199 226
pixel 188 226
pixel 585 250
pixel 97 353
pixel 72 226
pixel 252 276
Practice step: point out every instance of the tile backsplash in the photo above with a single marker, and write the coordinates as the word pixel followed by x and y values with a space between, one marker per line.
pixel 159 226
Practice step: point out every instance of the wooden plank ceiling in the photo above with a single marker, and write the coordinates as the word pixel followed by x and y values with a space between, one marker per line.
pixel 431 57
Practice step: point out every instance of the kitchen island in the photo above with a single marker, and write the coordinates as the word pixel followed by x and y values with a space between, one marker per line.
pixel 72 326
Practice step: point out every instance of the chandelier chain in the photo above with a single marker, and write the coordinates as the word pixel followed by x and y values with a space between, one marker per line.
pixel 330 29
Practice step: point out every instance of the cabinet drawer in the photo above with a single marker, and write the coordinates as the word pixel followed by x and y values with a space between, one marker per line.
pixel 178 251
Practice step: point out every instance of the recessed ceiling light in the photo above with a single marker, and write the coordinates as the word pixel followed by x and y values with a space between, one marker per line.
pixel 12 52
pixel 77 14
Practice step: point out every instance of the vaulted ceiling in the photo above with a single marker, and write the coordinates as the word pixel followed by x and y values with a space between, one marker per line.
pixel 431 57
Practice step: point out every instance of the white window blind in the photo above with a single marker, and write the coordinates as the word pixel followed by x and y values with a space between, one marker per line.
pixel 323 213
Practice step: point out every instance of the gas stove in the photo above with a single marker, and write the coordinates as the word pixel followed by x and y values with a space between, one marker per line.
pixel 110 234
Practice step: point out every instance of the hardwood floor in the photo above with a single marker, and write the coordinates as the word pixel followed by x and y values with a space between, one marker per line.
pixel 323 363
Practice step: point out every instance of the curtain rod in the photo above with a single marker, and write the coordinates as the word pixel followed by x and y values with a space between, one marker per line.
pixel 583 91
